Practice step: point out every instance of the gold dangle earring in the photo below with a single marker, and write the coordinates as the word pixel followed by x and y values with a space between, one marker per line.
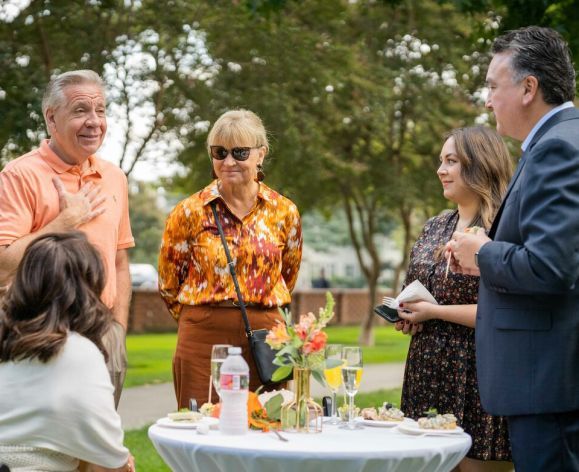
pixel 260 173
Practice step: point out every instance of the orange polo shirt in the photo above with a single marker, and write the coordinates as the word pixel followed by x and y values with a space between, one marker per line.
pixel 29 201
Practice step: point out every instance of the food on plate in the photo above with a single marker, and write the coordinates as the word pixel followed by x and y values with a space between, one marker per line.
pixel 433 420
pixel 207 409
pixel 389 412
pixel 369 413
pixel 185 415
pixel 210 409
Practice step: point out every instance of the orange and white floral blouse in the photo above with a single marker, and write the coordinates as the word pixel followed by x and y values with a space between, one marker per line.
pixel 266 247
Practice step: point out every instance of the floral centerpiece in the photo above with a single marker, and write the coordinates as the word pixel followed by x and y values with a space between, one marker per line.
pixel 301 345
pixel 300 348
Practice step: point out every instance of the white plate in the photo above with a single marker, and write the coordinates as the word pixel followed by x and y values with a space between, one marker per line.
pixel 411 427
pixel 380 423
pixel 169 423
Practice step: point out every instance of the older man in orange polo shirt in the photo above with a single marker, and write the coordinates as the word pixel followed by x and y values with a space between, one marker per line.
pixel 62 186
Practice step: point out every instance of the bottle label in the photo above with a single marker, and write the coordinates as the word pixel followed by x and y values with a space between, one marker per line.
pixel 234 382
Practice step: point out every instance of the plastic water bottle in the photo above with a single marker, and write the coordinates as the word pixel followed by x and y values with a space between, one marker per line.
pixel 234 382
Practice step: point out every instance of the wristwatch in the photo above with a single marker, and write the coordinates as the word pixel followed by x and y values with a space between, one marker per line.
pixel 476 258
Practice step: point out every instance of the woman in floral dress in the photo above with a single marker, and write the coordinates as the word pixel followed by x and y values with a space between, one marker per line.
pixel 475 169
pixel 263 233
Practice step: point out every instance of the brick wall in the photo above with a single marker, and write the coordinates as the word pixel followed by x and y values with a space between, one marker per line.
pixel 351 304
pixel 149 314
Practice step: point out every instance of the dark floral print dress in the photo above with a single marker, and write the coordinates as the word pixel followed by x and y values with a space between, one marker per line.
pixel 441 367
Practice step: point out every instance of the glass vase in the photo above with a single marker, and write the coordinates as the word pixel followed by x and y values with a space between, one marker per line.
pixel 302 415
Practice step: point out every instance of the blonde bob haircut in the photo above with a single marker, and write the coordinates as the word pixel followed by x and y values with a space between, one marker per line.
pixel 486 167
pixel 236 128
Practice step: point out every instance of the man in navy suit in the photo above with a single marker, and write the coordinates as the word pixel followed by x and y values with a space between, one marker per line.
pixel 527 326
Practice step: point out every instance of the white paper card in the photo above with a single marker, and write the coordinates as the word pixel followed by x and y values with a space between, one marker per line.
pixel 413 293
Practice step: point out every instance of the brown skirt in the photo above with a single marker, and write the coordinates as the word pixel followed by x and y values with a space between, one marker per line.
pixel 200 327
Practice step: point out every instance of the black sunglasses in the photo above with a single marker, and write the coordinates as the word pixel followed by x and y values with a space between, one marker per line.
pixel 238 153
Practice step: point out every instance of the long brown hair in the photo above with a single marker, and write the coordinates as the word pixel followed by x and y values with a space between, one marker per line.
pixel 56 289
pixel 486 168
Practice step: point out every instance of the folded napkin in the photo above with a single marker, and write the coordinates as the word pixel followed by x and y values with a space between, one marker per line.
pixel 287 395
pixel 413 293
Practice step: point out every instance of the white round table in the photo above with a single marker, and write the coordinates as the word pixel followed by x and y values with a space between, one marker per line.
pixel 334 450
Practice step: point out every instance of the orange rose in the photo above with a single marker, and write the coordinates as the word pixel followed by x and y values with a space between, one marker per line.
pixel 316 343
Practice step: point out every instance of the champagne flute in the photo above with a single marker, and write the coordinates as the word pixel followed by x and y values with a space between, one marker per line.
pixel 351 375
pixel 218 356
pixel 333 375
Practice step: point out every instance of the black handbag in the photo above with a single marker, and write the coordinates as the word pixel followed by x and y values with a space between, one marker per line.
pixel 263 354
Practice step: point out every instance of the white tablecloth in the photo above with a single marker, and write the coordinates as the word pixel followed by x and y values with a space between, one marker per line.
pixel 333 450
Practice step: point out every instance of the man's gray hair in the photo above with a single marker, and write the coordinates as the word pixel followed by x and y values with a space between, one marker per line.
pixel 54 94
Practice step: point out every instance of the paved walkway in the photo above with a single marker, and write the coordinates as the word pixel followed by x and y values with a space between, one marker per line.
pixel 141 406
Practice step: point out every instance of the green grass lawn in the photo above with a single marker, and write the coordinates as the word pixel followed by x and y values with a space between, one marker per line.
pixel 150 358
pixel 150 354
pixel 389 345
pixel 147 459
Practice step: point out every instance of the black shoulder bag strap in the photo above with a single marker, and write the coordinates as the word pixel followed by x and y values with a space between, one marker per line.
pixel 248 331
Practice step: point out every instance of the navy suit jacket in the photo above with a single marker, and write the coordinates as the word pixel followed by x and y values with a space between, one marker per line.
pixel 527 325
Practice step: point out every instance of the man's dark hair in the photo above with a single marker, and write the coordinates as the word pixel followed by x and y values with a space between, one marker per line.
pixel 542 53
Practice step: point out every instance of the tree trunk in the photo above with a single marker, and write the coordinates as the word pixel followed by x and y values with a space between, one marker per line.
pixel 365 213
pixel 367 333
pixel 406 219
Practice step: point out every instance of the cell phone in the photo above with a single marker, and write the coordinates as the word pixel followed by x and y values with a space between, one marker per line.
pixel 389 314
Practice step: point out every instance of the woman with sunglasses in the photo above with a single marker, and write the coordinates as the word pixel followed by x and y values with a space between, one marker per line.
pixel 263 233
